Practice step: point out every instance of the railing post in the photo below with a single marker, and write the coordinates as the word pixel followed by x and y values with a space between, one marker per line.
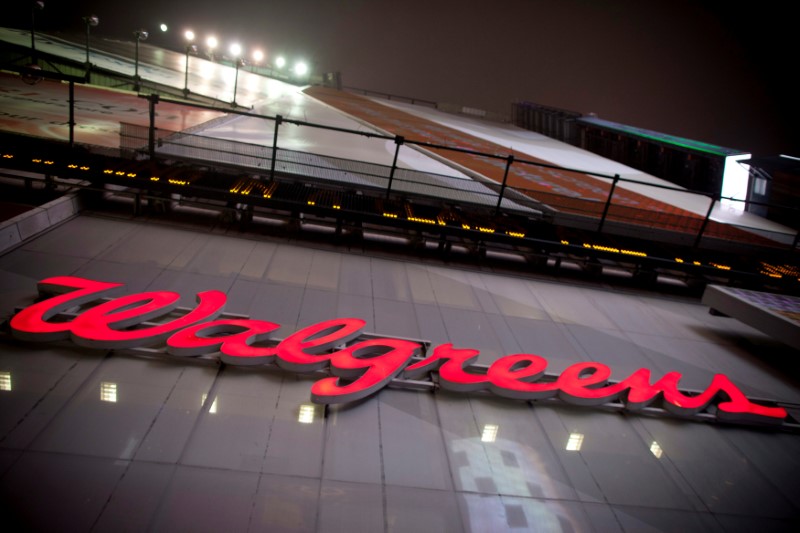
pixel 71 113
pixel 278 120
pixel 509 162
pixel 705 223
pixel 399 140
pixel 608 203
pixel 796 241
pixel 151 139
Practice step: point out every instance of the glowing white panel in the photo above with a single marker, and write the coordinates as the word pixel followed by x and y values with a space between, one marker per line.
pixel 735 178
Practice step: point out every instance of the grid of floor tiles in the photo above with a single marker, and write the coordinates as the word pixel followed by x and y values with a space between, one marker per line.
pixel 99 441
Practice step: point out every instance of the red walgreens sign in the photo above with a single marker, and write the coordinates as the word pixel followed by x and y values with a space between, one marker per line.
pixel 359 368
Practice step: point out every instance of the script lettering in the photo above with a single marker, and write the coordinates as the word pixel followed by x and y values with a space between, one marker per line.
pixel 450 363
pixel 31 324
pixel 372 364
pixel 304 351
pixel 359 368
pixel 512 376
pixel 235 346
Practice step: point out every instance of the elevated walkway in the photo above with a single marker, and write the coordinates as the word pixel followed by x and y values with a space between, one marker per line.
pixel 350 171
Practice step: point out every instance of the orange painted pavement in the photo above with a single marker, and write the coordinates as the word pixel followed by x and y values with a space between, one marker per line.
pixel 571 192
pixel 42 110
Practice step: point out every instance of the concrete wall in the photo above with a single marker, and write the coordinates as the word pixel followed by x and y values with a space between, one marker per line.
pixel 16 230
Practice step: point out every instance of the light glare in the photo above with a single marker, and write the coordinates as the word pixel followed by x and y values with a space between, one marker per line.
pixel 108 392
pixel 656 450
pixel 189 34
pixel 212 408
pixel 306 414
pixel 301 69
pixel 212 42
pixel 236 50
pixel 489 433
pixel 575 442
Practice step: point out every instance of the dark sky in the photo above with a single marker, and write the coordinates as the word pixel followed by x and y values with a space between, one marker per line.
pixel 698 69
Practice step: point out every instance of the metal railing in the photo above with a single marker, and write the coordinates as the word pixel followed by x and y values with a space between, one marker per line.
pixel 605 203
pixel 391 96
pixel 358 174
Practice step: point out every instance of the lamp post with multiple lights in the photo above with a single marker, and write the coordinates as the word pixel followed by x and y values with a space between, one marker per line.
pixel 189 35
pixel 140 35
pixel 300 70
pixel 236 52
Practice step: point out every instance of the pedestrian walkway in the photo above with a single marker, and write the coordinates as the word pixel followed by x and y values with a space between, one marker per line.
pixel 42 110
pixel 565 191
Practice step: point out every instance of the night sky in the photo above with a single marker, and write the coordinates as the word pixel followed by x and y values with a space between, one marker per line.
pixel 691 68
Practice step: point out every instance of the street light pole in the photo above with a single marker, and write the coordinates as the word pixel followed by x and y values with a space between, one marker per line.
pixel 35 6
pixel 236 52
pixel 140 35
pixel 90 20
pixel 236 81
pixel 189 46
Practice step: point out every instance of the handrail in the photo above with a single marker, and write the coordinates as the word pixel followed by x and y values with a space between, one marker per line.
pixel 427 144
